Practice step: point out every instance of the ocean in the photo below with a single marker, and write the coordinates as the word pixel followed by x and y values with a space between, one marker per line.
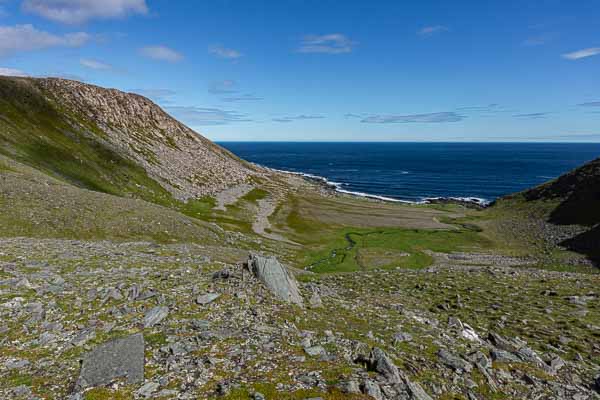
pixel 415 172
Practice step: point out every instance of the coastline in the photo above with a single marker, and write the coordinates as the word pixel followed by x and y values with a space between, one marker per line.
pixel 475 202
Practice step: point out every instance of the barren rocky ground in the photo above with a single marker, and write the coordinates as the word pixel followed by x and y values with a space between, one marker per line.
pixel 473 327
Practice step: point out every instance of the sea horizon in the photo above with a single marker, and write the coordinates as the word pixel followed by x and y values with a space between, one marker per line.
pixel 417 172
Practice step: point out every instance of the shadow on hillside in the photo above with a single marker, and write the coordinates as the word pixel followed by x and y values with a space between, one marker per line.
pixel 587 243
pixel 581 208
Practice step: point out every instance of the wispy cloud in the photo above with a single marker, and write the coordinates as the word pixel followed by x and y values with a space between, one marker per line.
pixel 226 86
pixel 297 118
pixel 244 97
pixel 493 107
pixel 590 104
pixel 223 52
pixel 159 95
pixel 537 115
pixel 80 11
pixel 11 72
pixel 333 43
pixel 94 64
pixel 428 31
pixel 27 38
pixel 161 53
pixel 576 55
pixel 207 116
pixel 437 117
pixel 538 40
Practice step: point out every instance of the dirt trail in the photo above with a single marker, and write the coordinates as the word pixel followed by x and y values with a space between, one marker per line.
pixel 231 195
pixel 261 223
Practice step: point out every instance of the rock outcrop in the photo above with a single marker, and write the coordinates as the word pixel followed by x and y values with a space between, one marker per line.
pixel 276 278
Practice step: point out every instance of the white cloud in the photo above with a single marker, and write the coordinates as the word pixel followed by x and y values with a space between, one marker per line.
pixel 161 53
pixel 576 55
pixel 94 64
pixel 27 38
pixel 333 43
pixel 224 52
pixel 427 31
pixel 79 11
pixel 11 72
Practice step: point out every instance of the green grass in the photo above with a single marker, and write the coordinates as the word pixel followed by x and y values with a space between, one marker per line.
pixel 255 195
pixel 406 247
pixel 38 132
pixel 198 208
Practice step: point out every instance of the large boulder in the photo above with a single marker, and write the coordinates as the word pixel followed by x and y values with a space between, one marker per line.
pixel 276 278
pixel 118 358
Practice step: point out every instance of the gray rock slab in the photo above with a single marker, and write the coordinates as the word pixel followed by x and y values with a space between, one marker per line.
pixel 207 298
pixel 276 278
pixel 155 316
pixel 118 358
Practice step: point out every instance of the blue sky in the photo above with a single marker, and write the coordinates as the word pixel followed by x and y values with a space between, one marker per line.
pixel 526 70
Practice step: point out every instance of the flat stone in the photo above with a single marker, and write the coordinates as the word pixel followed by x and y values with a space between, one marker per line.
pixel 207 298
pixel 148 389
pixel 315 351
pixel 155 316
pixel 119 358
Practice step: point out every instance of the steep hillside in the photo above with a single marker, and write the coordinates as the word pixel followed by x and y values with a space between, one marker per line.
pixel 577 191
pixel 563 212
pixel 110 141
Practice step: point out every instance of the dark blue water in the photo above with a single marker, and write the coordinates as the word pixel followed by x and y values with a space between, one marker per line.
pixel 415 171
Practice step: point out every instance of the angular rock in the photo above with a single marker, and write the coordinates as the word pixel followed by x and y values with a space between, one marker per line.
pixel 402 337
pixel 315 351
pixel 315 300
pixel 504 356
pixel 454 361
pixel 207 298
pixel 350 387
pixel 370 388
pixel 381 363
pixel 148 389
pixel 83 337
pixel 502 343
pixel 119 358
pixel 415 391
pixel 155 316
pixel 276 278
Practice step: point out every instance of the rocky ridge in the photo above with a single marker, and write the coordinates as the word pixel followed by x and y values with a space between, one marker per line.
pixel 183 162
